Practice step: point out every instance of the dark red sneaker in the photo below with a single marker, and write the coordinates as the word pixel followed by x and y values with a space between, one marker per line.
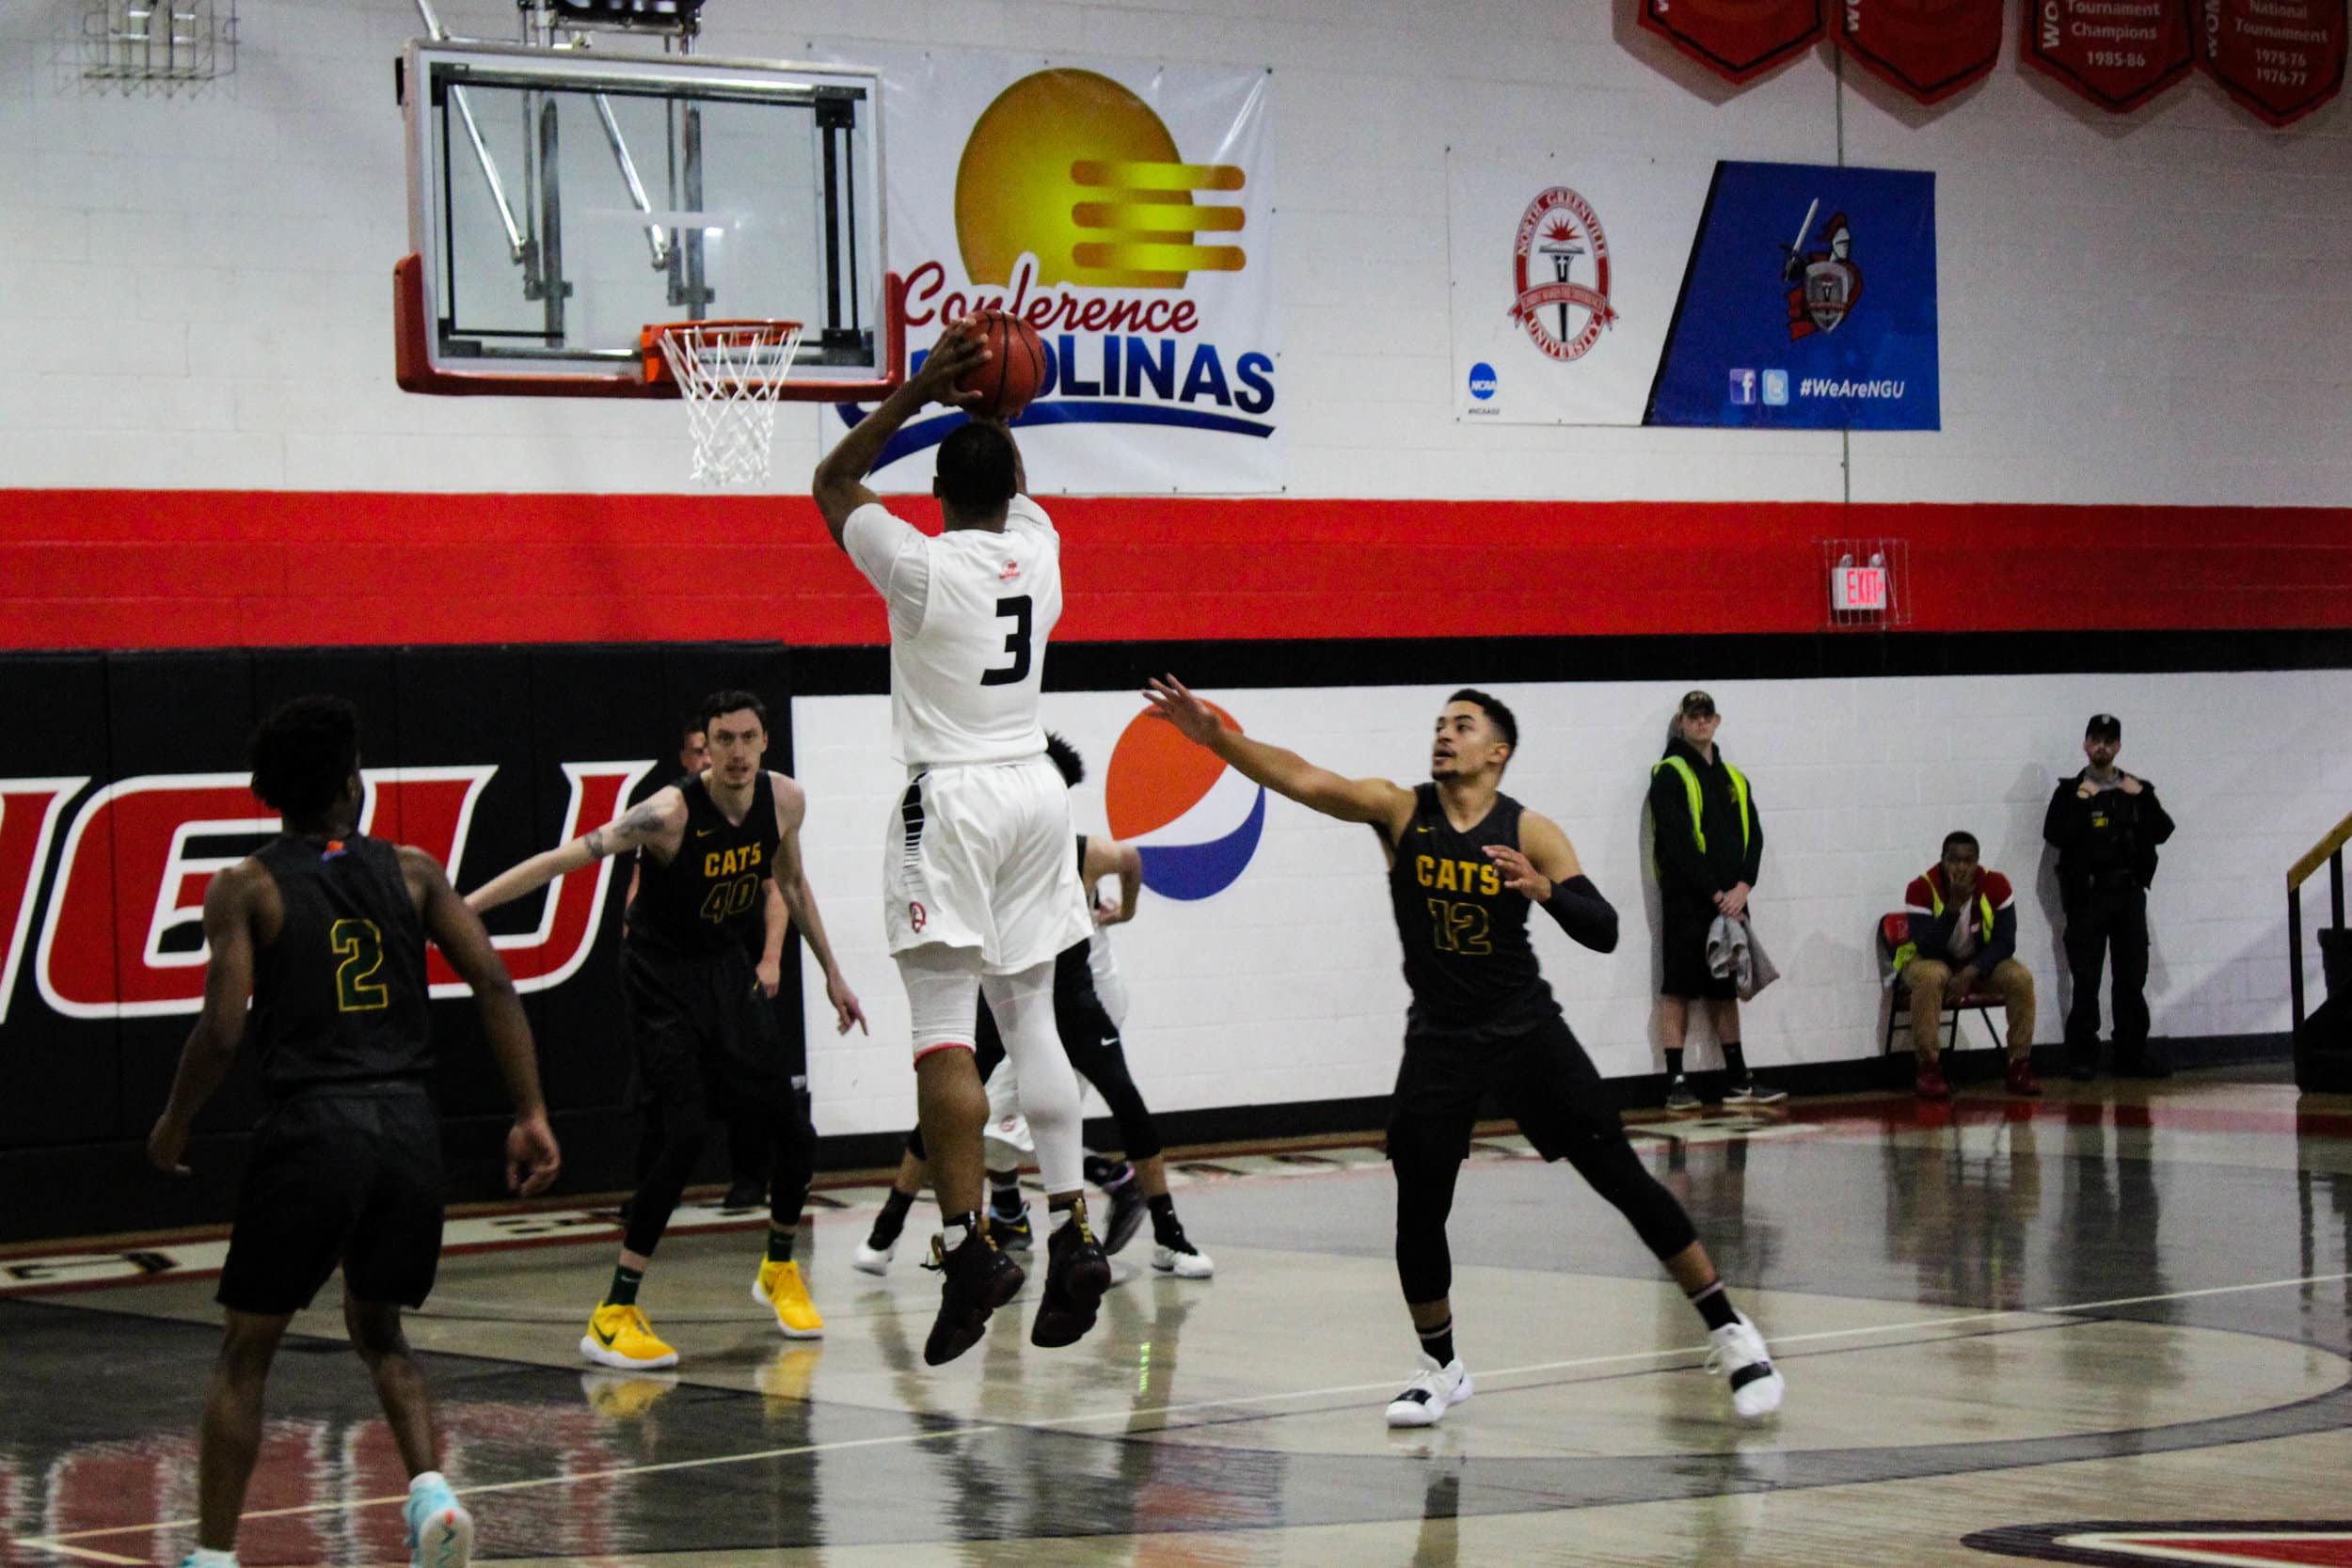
pixel 1077 1274
pixel 2021 1079
pixel 1930 1084
pixel 979 1280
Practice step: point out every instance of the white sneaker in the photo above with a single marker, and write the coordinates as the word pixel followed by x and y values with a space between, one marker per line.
pixel 1740 1357
pixel 1186 1262
pixel 1433 1392
pixel 873 1260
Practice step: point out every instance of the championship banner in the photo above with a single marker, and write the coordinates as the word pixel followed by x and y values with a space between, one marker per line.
pixel 1738 39
pixel 1832 329
pixel 1122 210
pixel 2119 53
pixel 1927 49
pixel 1564 279
pixel 2281 59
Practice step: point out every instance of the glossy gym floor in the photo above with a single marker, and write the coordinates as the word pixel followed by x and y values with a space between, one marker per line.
pixel 2112 1327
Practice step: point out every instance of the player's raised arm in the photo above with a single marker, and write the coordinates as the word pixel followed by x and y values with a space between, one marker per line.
pixel 1546 869
pixel 839 486
pixel 655 822
pixel 211 1045
pixel 1379 802
pixel 531 1156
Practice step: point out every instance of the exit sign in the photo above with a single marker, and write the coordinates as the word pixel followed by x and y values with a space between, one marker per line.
pixel 1857 588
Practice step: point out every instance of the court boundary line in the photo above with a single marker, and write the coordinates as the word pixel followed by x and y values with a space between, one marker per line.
pixel 58 1545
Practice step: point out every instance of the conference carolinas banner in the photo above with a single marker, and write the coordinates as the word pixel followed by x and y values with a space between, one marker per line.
pixel 1124 209
pixel 1563 280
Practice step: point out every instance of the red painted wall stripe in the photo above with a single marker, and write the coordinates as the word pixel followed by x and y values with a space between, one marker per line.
pixel 193 568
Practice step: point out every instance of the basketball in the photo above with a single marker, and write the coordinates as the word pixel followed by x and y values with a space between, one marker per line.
pixel 1014 370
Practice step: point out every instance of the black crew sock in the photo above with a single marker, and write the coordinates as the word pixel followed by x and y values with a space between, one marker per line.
pixel 891 1221
pixel 1714 1305
pixel 1735 1062
pixel 1674 1063
pixel 1166 1229
pixel 1004 1198
pixel 780 1244
pixel 1103 1171
pixel 1437 1343
pixel 625 1283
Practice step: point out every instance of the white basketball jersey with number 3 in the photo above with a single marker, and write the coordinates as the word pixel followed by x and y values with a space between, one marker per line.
pixel 970 611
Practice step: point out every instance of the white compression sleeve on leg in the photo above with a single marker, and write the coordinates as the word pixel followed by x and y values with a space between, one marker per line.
pixel 1024 1005
pixel 943 995
pixel 1009 1146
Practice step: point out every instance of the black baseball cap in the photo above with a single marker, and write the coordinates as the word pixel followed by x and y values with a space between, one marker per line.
pixel 1696 705
pixel 2103 726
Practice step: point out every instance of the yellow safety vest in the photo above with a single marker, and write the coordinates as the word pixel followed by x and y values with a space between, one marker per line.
pixel 1698 807
pixel 1909 950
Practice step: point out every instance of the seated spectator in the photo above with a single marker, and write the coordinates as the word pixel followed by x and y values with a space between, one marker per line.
pixel 1963 942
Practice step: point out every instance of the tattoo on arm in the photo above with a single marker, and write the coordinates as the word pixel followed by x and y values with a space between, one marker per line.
pixel 596 843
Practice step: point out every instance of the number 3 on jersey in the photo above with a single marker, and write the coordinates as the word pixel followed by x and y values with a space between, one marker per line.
pixel 1016 643
pixel 360 947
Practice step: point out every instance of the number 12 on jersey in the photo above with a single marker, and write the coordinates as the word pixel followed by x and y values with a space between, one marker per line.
pixel 1459 928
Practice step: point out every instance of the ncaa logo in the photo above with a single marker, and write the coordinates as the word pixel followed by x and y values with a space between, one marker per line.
pixel 1196 821
pixel 1482 381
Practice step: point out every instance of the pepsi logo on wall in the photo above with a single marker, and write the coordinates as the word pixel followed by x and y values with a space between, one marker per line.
pixel 1196 821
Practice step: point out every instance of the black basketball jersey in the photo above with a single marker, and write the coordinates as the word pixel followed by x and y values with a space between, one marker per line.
pixel 1466 957
pixel 340 996
pixel 709 893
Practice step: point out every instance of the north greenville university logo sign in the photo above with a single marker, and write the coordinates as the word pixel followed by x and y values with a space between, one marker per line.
pixel 1560 238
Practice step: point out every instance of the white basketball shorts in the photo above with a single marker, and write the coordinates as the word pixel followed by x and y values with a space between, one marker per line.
pixel 982 855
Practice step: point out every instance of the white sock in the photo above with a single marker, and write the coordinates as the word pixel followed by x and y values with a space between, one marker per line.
pixel 424 1480
pixel 954 1234
pixel 204 1557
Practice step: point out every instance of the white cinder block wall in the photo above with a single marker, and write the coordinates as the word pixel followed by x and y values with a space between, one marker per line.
pixel 2143 310
pixel 1286 987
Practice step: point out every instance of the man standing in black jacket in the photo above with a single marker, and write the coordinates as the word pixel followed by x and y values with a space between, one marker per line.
pixel 2106 826
pixel 1708 847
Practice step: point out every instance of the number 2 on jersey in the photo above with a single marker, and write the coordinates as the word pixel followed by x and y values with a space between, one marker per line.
pixel 1458 928
pixel 360 947
pixel 1015 609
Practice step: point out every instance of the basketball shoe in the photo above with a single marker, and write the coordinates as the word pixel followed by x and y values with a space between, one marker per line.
pixel 779 1288
pixel 1740 1358
pixel 441 1532
pixel 1434 1391
pixel 979 1280
pixel 1077 1274
pixel 620 1336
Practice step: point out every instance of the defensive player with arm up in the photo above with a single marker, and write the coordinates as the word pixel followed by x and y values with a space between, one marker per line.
pixel 1467 864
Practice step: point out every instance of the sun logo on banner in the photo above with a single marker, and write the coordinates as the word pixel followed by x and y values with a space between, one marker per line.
pixel 1073 168
pixel 1196 821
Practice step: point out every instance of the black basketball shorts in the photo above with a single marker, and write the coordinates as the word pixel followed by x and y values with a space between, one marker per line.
pixel 700 1032
pixel 1540 1077
pixel 348 1175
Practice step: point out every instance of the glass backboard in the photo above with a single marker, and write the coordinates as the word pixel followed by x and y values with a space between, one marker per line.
pixel 561 202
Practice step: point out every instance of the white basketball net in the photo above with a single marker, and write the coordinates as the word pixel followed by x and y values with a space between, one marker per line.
pixel 729 375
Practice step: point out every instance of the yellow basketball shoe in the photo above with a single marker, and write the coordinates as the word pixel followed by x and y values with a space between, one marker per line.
pixel 620 1336
pixel 780 1288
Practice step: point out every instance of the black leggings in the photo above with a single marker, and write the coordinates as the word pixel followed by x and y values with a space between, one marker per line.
pixel 670 1146
pixel 1548 1084
pixel 1091 1040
